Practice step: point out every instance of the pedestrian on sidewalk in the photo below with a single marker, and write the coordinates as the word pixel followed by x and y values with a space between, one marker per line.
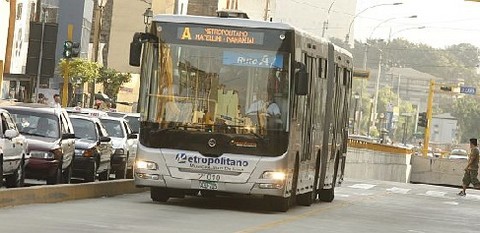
pixel 471 170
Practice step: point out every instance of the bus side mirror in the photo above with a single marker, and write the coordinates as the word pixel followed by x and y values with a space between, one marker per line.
pixel 135 50
pixel 301 80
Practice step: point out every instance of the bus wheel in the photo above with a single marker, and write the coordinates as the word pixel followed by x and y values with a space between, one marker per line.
pixel 306 199
pixel 327 195
pixel 280 204
pixel 159 194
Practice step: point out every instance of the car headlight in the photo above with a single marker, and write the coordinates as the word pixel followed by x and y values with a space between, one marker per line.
pixel 85 153
pixel 271 175
pixel 146 165
pixel 119 151
pixel 79 152
pixel 42 154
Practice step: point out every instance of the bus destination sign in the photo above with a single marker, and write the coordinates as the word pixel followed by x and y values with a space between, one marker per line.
pixel 220 35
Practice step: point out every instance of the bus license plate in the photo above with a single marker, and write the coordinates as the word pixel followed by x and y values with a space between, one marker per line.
pixel 208 185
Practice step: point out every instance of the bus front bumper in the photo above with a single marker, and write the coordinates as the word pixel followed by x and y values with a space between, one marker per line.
pixel 249 188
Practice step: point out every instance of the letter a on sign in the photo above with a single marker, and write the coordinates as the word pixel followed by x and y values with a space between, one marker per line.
pixel 186 34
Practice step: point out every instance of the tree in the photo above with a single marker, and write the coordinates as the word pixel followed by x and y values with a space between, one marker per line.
pixel 467 112
pixel 80 71
pixel 112 80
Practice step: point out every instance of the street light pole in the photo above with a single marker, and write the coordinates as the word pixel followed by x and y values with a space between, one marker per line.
pixel 369 125
pixel 390 19
pixel 377 86
pixel 347 37
pixel 405 29
pixel 356 96
pixel 325 23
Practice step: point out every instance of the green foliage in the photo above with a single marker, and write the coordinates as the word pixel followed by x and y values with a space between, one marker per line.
pixel 112 80
pixel 453 64
pixel 79 70
pixel 467 111
pixel 83 71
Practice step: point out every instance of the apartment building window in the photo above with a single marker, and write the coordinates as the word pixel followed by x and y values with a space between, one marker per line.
pixel 33 8
pixel 19 11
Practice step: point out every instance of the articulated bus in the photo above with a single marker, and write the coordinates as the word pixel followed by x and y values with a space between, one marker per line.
pixel 237 106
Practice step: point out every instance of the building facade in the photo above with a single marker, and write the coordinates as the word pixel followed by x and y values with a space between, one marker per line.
pixel 443 129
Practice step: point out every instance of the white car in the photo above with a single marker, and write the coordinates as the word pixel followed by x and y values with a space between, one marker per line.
pixel 124 146
pixel 13 152
pixel 458 154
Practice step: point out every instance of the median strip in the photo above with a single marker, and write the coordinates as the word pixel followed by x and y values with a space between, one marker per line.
pixel 66 192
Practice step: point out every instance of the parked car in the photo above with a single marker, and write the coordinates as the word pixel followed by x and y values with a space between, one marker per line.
pixel 458 154
pixel 123 145
pixel 132 118
pixel 134 122
pixel 50 138
pixel 93 149
pixel 13 152
pixel 86 111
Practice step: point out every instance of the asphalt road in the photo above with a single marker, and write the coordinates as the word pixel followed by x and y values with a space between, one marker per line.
pixel 359 206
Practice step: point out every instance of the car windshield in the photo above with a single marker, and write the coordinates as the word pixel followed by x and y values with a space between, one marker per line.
pixel 84 129
pixel 113 127
pixel 36 124
pixel 134 123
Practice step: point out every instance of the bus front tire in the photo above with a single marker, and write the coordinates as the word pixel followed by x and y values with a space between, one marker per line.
pixel 159 194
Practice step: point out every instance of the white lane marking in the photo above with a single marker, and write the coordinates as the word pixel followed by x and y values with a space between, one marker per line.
pixel 435 193
pixel 342 195
pixel 415 231
pixel 362 186
pixel 398 190
pixel 472 197
pixel 450 203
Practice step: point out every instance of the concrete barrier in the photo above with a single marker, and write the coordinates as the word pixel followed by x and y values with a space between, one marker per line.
pixel 437 171
pixel 367 160
pixel 65 192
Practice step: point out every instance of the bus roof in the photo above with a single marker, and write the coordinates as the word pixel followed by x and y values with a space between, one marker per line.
pixel 240 22
pixel 236 22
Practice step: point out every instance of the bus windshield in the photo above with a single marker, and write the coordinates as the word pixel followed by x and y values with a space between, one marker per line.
pixel 220 90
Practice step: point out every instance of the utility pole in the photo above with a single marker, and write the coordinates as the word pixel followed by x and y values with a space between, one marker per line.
pixel 40 57
pixel 66 74
pixel 11 32
pixel 265 14
pixel 426 139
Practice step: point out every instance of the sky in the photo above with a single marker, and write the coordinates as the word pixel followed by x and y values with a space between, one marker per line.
pixel 446 22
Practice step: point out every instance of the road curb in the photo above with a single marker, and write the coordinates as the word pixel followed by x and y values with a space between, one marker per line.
pixel 66 192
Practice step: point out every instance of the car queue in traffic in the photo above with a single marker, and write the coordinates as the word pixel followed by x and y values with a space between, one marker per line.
pixel 56 145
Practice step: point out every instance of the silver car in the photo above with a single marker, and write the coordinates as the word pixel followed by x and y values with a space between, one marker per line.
pixel 13 152
pixel 123 141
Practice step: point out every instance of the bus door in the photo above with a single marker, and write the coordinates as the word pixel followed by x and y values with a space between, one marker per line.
pixel 307 117
pixel 329 120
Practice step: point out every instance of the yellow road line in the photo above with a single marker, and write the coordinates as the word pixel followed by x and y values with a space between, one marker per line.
pixel 292 218
pixel 310 213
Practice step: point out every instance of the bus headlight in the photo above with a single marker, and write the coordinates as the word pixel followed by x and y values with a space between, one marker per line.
pixel 271 175
pixel 146 165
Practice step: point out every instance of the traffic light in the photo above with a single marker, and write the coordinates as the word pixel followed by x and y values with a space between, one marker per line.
pixel 422 119
pixel 76 49
pixel 446 88
pixel 67 49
